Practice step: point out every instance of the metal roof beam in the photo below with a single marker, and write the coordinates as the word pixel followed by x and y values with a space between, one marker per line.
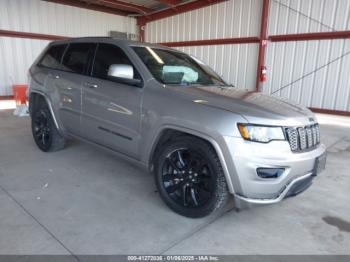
pixel 90 6
pixel 28 35
pixel 178 9
pixel 126 6
pixel 206 42
pixel 169 2
pixel 310 36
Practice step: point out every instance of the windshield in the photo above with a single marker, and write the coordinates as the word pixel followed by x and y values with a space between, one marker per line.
pixel 172 67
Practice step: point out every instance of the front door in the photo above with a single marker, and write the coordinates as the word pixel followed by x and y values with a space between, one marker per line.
pixel 111 111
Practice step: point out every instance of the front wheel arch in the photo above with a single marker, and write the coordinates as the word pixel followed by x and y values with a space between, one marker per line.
pixel 37 98
pixel 44 130
pixel 169 133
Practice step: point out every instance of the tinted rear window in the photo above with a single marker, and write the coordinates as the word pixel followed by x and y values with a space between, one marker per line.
pixel 76 57
pixel 53 56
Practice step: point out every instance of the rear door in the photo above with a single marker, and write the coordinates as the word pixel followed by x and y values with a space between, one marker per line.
pixel 69 81
pixel 50 66
pixel 111 111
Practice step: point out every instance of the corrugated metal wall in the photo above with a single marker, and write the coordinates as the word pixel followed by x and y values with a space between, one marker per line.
pixel 235 18
pixel 235 63
pixel 305 16
pixel 16 54
pixel 313 73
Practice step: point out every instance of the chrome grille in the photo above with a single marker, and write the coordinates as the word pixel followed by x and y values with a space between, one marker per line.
pixel 314 135
pixel 303 138
pixel 293 138
pixel 317 134
pixel 310 141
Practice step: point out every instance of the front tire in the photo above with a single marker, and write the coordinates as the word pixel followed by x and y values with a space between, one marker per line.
pixel 44 131
pixel 189 177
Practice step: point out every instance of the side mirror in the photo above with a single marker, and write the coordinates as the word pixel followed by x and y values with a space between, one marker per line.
pixel 121 71
pixel 124 74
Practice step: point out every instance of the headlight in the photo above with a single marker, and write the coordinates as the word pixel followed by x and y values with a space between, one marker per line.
pixel 263 134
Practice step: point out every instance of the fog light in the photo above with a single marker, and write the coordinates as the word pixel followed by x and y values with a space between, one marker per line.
pixel 269 172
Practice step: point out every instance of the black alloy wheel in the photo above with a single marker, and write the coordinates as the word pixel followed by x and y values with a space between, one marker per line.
pixel 189 177
pixel 45 133
pixel 42 130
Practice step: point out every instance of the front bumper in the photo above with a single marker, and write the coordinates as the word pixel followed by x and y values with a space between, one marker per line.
pixel 245 157
pixel 295 187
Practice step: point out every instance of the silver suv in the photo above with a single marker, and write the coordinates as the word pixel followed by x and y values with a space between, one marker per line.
pixel 201 138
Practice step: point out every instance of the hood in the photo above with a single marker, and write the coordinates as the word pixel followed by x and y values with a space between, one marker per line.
pixel 254 106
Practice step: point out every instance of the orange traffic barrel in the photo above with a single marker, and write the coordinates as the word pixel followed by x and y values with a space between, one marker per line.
pixel 19 94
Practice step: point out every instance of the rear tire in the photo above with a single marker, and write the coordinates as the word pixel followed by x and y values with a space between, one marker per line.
pixel 189 177
pixel 44 130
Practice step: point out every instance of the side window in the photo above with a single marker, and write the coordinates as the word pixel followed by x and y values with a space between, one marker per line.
pixel 76 58
pixel 108 55
pixel 52 58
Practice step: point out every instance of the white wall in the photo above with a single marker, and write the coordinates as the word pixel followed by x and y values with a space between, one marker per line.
pixel 235 18
pixel 17 54
pixel 300 67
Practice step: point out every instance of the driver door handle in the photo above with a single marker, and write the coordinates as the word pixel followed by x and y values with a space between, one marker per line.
pixel 91 85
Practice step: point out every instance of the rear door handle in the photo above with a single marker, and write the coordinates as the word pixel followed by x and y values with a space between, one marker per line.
pixel 91 85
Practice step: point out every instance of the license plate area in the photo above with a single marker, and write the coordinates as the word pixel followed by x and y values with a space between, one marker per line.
pixel 320 164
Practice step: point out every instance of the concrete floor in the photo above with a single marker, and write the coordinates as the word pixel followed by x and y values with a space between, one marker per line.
pixel 83 200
